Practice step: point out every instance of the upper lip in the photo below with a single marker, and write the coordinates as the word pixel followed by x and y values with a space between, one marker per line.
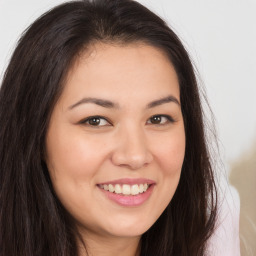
pixel 128 181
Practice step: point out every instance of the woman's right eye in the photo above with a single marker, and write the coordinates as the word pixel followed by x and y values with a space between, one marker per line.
pixel 96 121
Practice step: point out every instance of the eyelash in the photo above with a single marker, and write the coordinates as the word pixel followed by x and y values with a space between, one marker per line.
pixel 88 119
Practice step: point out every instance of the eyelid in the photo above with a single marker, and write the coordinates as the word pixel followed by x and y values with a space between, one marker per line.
pixel 169 118
pixel 83 121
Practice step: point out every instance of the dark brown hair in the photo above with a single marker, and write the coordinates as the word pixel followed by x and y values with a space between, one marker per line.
pixel 32 220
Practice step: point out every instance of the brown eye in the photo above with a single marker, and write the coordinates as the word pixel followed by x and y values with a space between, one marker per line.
pixel 95 121
pixel 161 119
pixel 156 119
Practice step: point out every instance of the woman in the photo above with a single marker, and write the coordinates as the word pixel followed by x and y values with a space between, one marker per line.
pixel 102 140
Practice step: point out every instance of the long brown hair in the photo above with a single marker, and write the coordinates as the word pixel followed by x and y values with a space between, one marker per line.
pixel 32 220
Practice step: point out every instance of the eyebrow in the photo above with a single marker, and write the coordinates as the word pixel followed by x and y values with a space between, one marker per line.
pixel 109 104
pixel 161 101
pixel 100 102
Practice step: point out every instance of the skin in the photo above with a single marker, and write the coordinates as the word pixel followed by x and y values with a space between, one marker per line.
pixel 127 144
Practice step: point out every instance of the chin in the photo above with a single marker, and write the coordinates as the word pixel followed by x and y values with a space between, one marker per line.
pixel 129 229
pixel 127 232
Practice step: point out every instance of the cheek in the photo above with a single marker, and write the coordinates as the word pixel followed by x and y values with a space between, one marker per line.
pixel 72 165
pixel 71 154
pixel 169 152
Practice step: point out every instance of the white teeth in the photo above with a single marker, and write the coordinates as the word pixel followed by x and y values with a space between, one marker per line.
pixel 118 189
pixel 135 190
pixel 111 188
pixel 126 189
pixel 141 188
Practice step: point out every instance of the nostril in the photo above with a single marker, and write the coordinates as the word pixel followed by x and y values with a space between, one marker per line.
pixel 133 162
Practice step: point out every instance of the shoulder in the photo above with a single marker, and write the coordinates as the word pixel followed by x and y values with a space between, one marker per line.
pixel 225 239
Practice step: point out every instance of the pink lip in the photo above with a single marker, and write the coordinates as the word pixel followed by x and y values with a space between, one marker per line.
pixel 125 200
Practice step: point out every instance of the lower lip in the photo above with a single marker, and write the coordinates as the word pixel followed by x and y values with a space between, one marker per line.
pixel 130 200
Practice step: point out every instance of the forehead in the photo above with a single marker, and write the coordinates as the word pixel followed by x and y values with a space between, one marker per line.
pixel 118 71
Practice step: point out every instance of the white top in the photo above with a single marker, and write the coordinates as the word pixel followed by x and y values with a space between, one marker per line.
pixel 225 240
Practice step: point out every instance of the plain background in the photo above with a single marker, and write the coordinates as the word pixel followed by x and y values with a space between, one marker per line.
pixel 220 36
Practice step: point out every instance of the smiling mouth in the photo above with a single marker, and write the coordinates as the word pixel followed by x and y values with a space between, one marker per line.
pixel 126 189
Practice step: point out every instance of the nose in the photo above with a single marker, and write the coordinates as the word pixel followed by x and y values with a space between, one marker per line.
pixel 132 150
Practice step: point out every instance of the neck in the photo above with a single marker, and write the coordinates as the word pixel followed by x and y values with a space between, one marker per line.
pixel 108 246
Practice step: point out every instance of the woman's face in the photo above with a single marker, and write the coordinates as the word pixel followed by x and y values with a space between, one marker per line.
pixel 115 143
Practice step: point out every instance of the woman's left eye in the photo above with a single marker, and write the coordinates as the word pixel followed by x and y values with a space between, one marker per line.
pixel 161 119
pixel 95 121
